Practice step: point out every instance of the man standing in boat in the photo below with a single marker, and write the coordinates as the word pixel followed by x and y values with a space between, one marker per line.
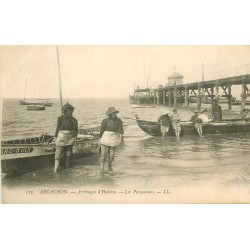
pixel 66 133
pixel 176 123
pixel 217 111
pixel 111 136
pixel 165 122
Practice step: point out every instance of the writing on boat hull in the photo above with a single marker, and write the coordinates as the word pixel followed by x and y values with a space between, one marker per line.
pixel 16 150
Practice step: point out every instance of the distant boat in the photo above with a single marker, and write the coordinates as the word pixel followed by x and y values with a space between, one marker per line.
pixel 29 103
pixel 24 102
pixel 45 102
pixel 134 106
pixel 207 100
pixel 238 103
pixel 35 107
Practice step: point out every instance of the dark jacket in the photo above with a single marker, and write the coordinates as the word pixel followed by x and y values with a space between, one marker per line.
pixel 194 119
pixel 165 120
pixel 111 124
pixel 217 112
pixel 65 123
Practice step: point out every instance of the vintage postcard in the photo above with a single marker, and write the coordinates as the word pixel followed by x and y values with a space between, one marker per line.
pixel 125 124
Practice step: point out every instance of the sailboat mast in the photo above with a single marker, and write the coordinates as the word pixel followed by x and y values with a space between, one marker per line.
pixel 59 77
pixel 202 73
pixel 25 90
pixel 148 78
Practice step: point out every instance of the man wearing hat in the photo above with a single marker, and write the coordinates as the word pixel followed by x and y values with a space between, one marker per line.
pixel 111 136
pixel 165 122
pixel 66 133
pixel 204 116
pixel 197 122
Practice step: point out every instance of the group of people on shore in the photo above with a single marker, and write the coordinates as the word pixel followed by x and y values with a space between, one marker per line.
pixel 111 132
pixel 198 119
pixel 111 135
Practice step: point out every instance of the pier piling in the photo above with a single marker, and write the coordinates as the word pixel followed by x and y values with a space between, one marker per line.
pixel 177 93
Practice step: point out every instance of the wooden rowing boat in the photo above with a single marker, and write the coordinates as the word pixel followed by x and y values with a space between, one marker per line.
pixel 187 128
pixel 23 155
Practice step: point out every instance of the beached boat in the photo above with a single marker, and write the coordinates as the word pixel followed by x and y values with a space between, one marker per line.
pixel 23 155
pixel 146 105
pixel 35 107
pixel 187 128
pixel 26 147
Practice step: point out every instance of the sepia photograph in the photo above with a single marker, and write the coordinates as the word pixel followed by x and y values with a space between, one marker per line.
pixel 125 124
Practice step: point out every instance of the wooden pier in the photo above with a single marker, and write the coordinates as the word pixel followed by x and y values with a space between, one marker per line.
pixel 178 94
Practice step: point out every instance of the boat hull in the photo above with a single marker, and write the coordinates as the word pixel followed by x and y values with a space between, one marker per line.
pixel 36 108
pixel 20 156
pixel 10 152
pixel 187 128
pixel 29 103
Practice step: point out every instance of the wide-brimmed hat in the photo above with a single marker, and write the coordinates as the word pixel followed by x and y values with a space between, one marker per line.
pixel 175 110
pixel 111 110
pixel 67 106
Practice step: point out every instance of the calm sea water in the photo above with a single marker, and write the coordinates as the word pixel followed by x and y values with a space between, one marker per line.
pixel 142 161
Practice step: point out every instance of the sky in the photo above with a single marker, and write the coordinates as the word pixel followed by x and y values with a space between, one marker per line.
pixel 111 71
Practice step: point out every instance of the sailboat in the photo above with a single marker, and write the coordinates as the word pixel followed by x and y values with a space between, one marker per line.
pixel 45 102
pixel 24 102
pixel 22 155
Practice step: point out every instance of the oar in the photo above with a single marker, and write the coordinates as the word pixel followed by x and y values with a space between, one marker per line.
pixel 128 118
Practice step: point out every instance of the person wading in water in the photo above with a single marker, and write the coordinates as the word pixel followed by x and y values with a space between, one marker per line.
pixel 197 122
pixel 203 117
pixel 165 122
pixel 66 133
pixel 176 123
pixel 111 136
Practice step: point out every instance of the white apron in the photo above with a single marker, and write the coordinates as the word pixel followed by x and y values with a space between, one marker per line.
pixel 111 139
pixel 65 138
